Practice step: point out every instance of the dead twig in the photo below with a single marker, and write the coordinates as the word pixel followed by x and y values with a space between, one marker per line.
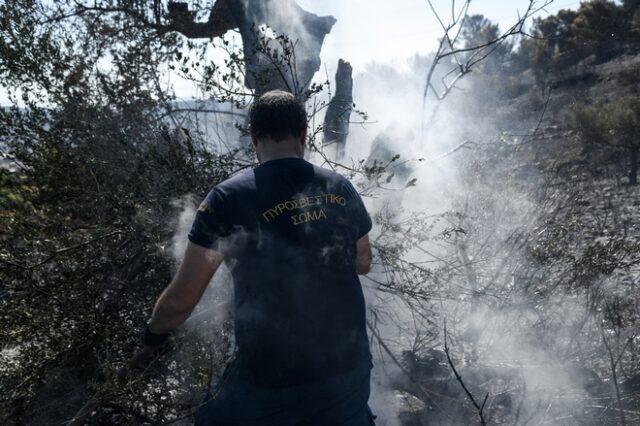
pixel 465 58
pixel 479 408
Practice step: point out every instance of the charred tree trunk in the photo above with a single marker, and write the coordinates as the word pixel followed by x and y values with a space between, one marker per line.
pixel 336 120
pixel 266 65
pixel 633 173
pixel 305 30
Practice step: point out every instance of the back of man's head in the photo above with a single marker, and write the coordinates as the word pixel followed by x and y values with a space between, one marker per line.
pixel 277 115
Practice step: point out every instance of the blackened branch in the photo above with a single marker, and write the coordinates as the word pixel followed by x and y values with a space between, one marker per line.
pixel 182 20
pixel 479 408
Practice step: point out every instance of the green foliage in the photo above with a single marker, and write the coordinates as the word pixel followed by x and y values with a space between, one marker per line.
pixel 614 124
pixel 598 23
pixel 88 212
pixel 86 221
pixel 477 31
pixel 560 41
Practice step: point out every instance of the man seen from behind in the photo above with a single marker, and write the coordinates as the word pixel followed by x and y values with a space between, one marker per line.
pixel 295 238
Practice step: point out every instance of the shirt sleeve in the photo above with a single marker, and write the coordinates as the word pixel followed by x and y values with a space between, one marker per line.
pixel 362 219
pixel 209 225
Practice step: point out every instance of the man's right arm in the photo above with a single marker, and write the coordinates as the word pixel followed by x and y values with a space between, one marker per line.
pixel 179 298
pixel 177 301
pixel 363 255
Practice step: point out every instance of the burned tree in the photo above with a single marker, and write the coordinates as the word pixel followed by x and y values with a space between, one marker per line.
pixel 339 110
pixel 262 70
pixel 305 30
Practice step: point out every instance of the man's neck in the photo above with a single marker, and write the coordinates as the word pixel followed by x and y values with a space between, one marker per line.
pixel 269 150
pixel 267 157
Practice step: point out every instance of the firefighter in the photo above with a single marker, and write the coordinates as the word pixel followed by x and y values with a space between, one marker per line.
pixel 295 238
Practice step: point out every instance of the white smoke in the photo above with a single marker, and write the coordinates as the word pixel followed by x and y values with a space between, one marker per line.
pixel 215 305
pixel 435 152
pixel 187 211
pixel 499 335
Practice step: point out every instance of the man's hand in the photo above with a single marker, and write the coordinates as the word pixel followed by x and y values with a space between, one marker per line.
pixel 141 356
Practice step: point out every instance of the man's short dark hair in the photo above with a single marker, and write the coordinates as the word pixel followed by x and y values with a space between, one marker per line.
pixel 277 115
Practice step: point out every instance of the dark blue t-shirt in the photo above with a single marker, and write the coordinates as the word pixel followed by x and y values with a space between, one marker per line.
pixel 288 230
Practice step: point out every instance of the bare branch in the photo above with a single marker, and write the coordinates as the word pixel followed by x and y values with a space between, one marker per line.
pixel 478 53
pixel 479 407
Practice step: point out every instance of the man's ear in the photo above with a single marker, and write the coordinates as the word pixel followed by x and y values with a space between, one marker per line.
pixel 303 137
pixel 254 142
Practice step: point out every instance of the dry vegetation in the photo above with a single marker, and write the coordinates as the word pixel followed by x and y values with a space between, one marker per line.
pixel 534 270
